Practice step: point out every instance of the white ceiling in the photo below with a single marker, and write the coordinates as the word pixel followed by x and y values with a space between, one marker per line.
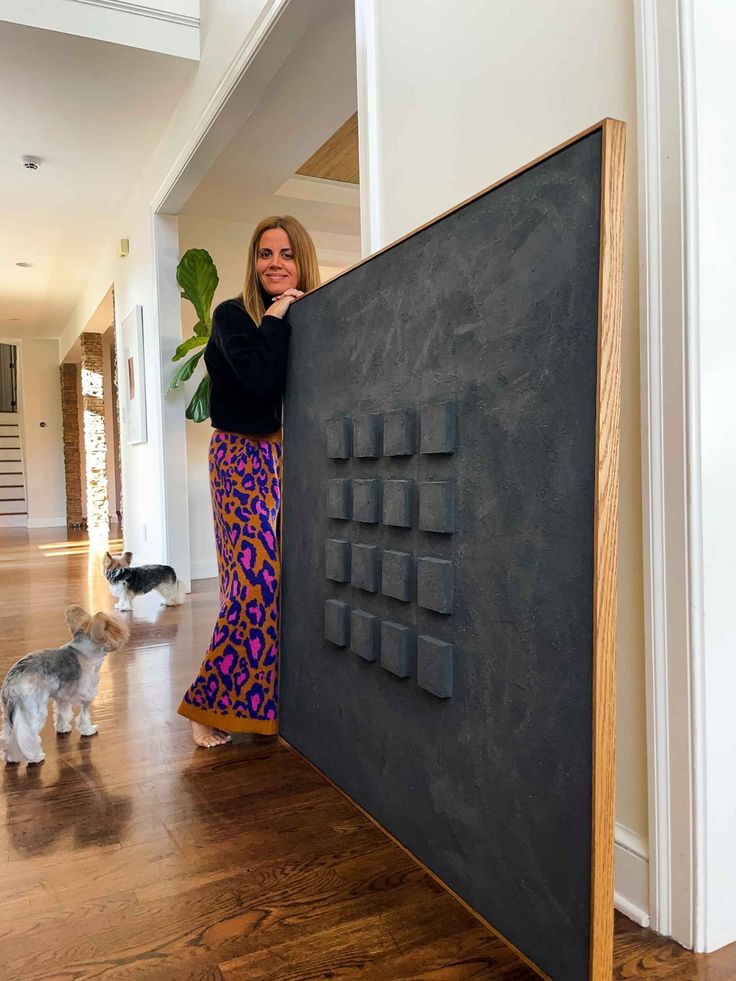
pixel 94 113
pixel 313 94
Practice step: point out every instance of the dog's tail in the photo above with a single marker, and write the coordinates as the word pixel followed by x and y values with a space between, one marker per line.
pixel 8 702
pixel 181 592
pixel 25 735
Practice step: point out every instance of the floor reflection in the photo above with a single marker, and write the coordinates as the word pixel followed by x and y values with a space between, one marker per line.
pixel 73 812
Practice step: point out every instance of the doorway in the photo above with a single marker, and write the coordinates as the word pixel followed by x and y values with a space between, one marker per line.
pixel 13 502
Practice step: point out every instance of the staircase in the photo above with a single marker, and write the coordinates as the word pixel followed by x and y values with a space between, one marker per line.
pixel 13 505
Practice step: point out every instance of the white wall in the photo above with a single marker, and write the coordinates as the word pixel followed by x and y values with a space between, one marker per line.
pixel 43 447
pixel 224 29
pixel 227 243
pixel 464 94
pixel 713 139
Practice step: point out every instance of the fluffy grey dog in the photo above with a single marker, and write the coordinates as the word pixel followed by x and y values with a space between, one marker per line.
pixel 127 581
pixel 69 675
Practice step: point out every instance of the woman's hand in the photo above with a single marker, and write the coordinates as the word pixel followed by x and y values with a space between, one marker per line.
pixel 281 303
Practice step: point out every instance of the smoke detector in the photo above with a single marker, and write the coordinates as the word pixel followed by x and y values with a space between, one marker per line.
pixel 31 163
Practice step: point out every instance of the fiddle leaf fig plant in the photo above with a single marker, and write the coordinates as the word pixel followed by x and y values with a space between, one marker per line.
pixel 197 277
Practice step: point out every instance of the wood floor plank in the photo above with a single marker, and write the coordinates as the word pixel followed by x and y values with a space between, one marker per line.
pixel 134 855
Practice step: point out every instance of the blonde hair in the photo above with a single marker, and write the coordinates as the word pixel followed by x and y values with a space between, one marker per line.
pixel 305 258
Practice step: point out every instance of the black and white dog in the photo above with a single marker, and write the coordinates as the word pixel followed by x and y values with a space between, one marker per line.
pixel 126 581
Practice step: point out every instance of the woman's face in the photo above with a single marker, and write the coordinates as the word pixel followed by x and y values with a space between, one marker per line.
pixel 275 263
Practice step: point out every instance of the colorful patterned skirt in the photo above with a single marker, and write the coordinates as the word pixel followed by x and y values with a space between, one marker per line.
pixel 236 687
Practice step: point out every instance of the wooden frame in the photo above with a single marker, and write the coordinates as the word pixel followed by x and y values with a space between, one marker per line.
pixel 133 371
pixel 610 309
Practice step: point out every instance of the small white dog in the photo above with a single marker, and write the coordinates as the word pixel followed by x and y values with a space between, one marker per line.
pixel 69 675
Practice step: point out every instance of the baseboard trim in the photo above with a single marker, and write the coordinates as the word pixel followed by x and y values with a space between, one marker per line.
pixel 46 523
pixel 631 894
pixel 204 569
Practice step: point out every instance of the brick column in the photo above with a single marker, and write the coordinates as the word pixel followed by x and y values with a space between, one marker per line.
pixel 95 443
pixel 72 456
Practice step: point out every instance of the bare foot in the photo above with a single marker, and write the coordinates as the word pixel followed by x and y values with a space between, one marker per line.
pixel 207 736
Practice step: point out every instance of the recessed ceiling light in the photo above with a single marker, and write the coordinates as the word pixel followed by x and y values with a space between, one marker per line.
pixel 24 265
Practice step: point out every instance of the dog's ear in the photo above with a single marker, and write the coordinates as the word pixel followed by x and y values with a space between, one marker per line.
pixel 108 630
pixel 77 619
pixel 126 558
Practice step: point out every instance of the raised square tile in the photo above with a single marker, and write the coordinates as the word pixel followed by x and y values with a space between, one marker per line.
pixel 397 503
pixel 399 432
pixel 337 560
pixel 435 584
pixel 434 666
pixel 339 437
pixel 337 622
pixel 338 499
pixel 367 501
pixel 364 567
pixel 396 574
pixel 437 506
pixel 397 649
pixel 367 436
pixel 364 635
pixel 438 428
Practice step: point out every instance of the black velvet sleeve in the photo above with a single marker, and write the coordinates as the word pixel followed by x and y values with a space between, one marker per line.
pixel 256 355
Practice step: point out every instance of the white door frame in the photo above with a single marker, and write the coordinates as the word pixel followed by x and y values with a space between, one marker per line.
pixel 19 520
pixel 173 444
pixel 264 50
pixel 216 125
pixel 671 468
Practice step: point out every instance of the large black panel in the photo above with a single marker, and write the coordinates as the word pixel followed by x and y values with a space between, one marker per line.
pixel 481 332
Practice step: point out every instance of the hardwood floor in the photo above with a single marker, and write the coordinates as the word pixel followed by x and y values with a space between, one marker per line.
pixel 134 855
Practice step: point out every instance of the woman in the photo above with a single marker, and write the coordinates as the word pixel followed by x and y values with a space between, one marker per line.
pixel 236 689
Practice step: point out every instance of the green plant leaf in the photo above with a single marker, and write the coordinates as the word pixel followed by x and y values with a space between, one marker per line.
pixel 186 371
pixel 186 346
pixel 199 408
pixel 197 276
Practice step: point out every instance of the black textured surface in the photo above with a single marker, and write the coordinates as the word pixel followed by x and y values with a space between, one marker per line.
pixel 364 634
pixel 367 501
pixel 365 567
pixel 437 506
pixel 367 431
pixel 397 570
pixel 434 666
pixel 337 622
pixel 494 309
pixel 399 432
pixel 438 428
pixel 397 503
pixel 397 648
pixel 337 559
pixel 435 584
pixel 339 440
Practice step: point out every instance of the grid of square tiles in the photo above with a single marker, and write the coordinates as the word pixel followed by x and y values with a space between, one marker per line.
pixel 427 580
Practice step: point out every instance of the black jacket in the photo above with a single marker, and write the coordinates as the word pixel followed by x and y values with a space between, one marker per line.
pixel 247 369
